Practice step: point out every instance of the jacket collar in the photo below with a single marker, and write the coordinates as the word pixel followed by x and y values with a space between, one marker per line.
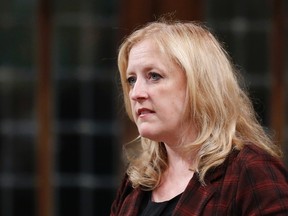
pixel 196 195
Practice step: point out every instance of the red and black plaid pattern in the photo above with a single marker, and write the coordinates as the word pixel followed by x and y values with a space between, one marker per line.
pixel 249 182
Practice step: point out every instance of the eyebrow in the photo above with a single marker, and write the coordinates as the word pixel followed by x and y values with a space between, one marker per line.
pixel 145 68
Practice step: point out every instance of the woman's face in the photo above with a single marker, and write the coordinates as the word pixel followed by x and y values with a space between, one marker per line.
pixel 157 93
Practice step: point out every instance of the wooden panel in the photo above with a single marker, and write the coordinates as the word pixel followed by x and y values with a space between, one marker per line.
pixel 134 13
pixel 182 9
pixel 278 70
pixel 44 111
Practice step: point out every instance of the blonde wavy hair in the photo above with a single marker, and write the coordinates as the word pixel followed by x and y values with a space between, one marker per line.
pixel 216 104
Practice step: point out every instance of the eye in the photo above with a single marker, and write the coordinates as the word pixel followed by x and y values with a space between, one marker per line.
pixel 131 80
pixel 154 76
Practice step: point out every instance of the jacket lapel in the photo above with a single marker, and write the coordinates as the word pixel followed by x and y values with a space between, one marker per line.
pixel 194 198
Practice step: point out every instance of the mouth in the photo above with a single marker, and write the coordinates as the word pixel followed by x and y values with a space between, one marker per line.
pixel 144 111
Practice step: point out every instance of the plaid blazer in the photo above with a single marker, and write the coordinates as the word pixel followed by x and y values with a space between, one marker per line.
pixel 249 182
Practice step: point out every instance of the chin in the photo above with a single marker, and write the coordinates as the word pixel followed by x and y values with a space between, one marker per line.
pixel 149 135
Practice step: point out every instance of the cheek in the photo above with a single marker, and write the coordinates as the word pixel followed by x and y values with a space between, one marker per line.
pixel 173 105
pixel 178 102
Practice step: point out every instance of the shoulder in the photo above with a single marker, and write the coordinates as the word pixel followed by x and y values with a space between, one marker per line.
pixel 250 167
pixel 262 184
pixel 253 156
pixel 251 150
pixel 254 161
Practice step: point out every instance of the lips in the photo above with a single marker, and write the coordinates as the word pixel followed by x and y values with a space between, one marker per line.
pixel 144 111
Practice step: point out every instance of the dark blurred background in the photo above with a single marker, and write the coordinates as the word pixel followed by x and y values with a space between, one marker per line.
pixel 62 123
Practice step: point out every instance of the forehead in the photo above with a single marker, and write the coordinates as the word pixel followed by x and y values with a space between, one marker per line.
pixel 145 53
pixel 143 47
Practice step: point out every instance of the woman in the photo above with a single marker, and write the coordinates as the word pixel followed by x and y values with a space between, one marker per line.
pixel 201 150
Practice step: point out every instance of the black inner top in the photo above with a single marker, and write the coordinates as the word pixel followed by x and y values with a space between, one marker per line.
pixel 150 208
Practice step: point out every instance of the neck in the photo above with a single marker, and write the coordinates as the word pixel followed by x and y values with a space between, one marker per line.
pixel 177 162
pixel 175 179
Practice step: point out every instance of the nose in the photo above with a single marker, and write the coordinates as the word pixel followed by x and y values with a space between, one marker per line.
pixel 139 91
